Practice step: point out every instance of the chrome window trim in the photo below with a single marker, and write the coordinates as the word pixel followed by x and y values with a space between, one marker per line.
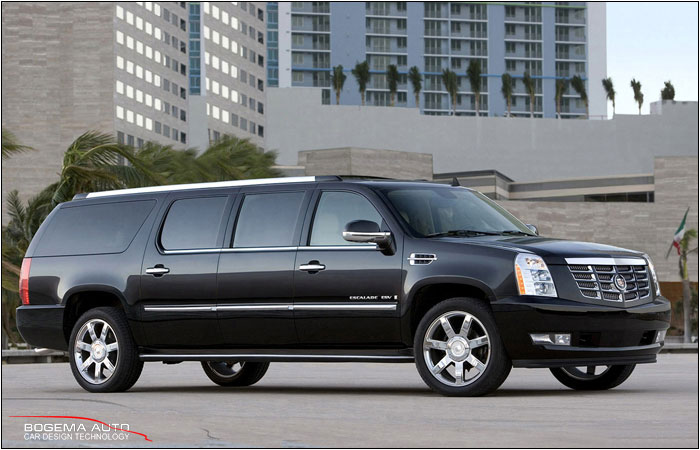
pixel 376 306
pixel 269 249
pixel 212 185
pixel 257 249
pixel 338 247
pixel 191 251
pixel 627 261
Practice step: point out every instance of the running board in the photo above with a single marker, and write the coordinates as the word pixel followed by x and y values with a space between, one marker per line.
pixel 277 356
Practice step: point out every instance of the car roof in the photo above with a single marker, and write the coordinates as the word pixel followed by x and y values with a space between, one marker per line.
pixel 251 182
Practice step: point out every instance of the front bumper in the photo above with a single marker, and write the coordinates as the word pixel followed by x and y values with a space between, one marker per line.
pixel 42 326
pixel 600 335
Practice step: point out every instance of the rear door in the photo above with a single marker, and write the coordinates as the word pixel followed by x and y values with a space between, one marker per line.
pixel 256 269
pixel 178 275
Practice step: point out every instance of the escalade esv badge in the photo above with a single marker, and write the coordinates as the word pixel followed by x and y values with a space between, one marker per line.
pixel 239 274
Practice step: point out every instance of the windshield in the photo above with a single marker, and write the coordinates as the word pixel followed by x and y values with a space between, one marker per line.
pixel 430 211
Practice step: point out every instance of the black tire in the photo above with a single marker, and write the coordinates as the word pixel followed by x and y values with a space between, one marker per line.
pixel 497 365
pixel 614 376
pixel 225 373
pixel 126 362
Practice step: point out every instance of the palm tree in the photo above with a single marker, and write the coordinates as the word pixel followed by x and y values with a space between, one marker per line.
pixel 580 87
pixel 338 81
pixel 416 80
pixel 559 89
pixel 361 74
pixel 530 89
pixel 668 92
pixel 94 162
pixel 392 80
pixel 10 144
pixel 449 79
pixel 609 91
pixel 507 89
pixel 232 158
pixel 474 75
pixel 638 95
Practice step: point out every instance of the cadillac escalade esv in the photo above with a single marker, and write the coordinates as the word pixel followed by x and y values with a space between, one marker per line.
pixel 243 273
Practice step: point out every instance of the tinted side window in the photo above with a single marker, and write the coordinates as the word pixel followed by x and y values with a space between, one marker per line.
pixel 268 220
pixel 335 210
pixel 193 223
pixel 94 229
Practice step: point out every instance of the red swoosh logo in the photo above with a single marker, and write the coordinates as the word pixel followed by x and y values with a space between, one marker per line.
pixel 92 420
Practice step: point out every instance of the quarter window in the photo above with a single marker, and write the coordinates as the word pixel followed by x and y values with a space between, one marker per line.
pixel 268 220
pixel 335 210
pixel 193 223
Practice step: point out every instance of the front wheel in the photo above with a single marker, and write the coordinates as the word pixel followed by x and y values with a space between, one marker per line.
pixel 235 373
pixel 592 378
pixel 458 350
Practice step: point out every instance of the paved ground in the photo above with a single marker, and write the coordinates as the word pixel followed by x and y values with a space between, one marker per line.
pixel 365 405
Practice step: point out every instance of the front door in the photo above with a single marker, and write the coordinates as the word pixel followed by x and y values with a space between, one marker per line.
pixel 256 270
pixel 346 293
pixel 178 274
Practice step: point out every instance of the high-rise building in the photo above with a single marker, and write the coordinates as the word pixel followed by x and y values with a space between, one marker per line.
pixel 178 73
pixel 549 40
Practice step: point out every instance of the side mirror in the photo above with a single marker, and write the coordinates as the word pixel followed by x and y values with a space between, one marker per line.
pixel 533 228
pixel 368 232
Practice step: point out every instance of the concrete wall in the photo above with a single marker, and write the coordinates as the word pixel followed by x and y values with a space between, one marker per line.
pixel 57 83
pixel 647 227
pixel 368 163
pixel 523 149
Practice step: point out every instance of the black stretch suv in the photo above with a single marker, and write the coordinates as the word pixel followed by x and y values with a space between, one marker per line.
pixel 239 274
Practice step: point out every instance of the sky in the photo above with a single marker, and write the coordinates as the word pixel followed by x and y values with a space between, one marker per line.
pixel 652 42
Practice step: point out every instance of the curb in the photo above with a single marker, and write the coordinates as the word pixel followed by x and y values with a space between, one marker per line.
pixel 33 356
pixel 679 347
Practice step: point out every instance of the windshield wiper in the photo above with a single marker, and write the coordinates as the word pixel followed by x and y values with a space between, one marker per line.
pixel 466 233
pixel 516 232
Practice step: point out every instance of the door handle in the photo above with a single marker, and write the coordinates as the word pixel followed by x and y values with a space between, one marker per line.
pixel 312 267
pixel 158 270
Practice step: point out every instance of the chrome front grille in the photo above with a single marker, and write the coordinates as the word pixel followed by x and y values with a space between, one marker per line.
pixel 598 281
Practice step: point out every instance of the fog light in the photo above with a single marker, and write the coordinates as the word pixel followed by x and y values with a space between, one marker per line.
pixel 660 336
pixel 551 338
pixel 562 339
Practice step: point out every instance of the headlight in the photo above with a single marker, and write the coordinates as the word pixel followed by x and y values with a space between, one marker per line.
pixel 533 276
pixel 657 288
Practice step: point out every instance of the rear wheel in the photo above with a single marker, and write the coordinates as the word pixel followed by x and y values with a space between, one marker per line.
pixel 234 373
pixel 592 378
pixel 103 355
pixel 458 350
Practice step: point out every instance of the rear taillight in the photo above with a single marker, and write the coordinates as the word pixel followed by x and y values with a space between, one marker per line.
pixel 24 280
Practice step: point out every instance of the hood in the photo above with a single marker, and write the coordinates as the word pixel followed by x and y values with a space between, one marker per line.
pixel 554 251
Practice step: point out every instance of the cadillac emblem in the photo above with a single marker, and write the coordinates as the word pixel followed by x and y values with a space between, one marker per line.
pixel 620 283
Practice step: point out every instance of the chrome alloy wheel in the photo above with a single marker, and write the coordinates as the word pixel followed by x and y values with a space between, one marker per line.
pixel 456 358
pixel 96 351
pixel 586 373
pixel 226 369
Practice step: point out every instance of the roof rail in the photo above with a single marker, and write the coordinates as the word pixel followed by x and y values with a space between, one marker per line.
pixel 212 185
